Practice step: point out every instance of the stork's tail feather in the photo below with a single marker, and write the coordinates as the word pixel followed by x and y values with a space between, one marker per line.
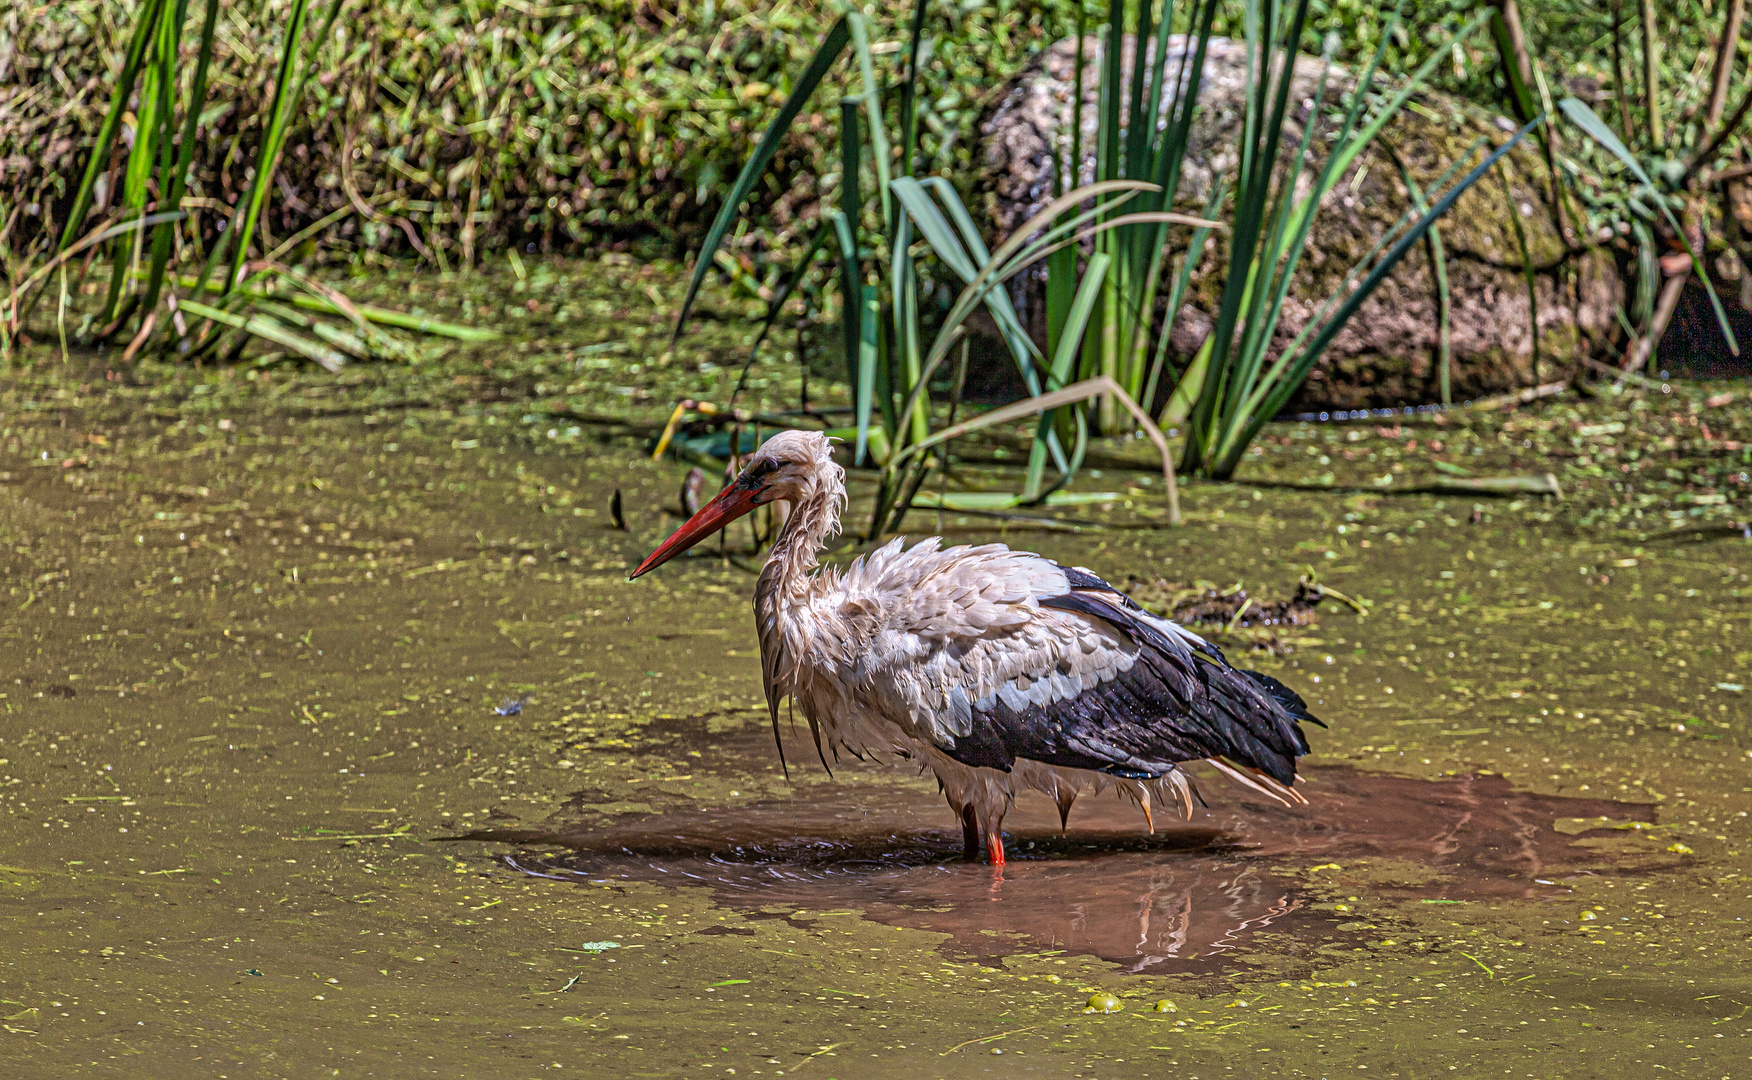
pixel 1067 796
pixel 1181 785
pixel 1257 781
pixel 1171 788
pixel 1283 695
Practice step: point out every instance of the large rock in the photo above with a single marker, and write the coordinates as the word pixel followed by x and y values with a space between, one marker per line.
pixel 1387 355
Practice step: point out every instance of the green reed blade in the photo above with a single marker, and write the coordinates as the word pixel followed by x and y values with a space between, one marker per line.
pixel 904 299
pixel 962 251
pixel 1139 131
pixel 96 236
pixel 1253 204
pixel 1305 361
pixel 909 88
pixel 269 329
pixel 1110 116
pixel 279 115
pixel 871 99
pixel 1177 292
pixel 1520 92
pixel 850 294
pixel 112 121
pixel 869 347
pixel 1589 121
pixel 1064 357
pixel 1388 236
pixel 164 236
pixel 1007 261
pixel 823 59
pixel 845 224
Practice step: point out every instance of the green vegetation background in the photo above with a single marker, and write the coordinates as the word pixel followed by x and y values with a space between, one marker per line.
pixel 466 127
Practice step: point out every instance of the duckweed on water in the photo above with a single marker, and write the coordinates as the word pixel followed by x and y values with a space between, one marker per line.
pixel 256 798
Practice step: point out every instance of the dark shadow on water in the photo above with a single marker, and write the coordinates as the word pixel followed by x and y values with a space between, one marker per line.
pixel 1188 898
pixel 1693 346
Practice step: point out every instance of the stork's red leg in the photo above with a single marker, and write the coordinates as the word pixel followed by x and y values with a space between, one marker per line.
pixel 995 848
pixel 969 835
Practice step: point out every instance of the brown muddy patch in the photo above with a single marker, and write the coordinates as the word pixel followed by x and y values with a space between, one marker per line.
pixel 1192 897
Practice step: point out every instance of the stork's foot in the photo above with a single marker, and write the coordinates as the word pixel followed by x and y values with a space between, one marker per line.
pixel 994 849
pixel 969 835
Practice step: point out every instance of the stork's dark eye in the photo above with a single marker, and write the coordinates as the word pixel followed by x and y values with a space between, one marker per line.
pixel 759 471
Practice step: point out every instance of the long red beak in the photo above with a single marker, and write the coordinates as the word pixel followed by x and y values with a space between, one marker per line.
pixel 731 503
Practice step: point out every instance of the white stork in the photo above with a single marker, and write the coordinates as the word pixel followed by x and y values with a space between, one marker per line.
pixel 998 669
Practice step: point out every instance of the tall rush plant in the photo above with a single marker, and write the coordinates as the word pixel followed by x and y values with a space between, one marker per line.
pixel 890 355
pixel 1243 385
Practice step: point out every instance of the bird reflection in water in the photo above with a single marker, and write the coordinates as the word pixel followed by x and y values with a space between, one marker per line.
pixel 1184 899
pixel 1193 897
pixel 1185 914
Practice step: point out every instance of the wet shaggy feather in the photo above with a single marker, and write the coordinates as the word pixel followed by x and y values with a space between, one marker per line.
pixel 999 669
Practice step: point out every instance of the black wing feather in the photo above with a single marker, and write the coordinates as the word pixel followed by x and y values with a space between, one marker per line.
pixel 1171 706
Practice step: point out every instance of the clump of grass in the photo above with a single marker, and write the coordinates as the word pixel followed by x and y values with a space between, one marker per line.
pixel 445 130
pixel 164 125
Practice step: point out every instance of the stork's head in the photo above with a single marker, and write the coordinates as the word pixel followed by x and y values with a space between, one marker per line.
pixel 793 466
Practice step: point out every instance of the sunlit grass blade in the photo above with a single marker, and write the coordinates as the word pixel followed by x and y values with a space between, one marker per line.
pixel 1000 269
pixel 871 100
pixel 819 64
pixel 1388 236
pixel 1011 257
pixel 289 88
pixel 107 231
pixel 851 294
pixel 869 351
pixel 1085 390
pixel 105 141
pixel 1266 108
pixel 269 329
pixel 845 227
pixel 1191 384
pixel 964 253
pixel 1177 296
pixel 151 145
pixel 904 300
pixel 257 193
pixel 327 301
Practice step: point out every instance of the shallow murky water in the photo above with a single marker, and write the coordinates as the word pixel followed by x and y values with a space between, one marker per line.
pixel 1191 897
pixel 261 815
